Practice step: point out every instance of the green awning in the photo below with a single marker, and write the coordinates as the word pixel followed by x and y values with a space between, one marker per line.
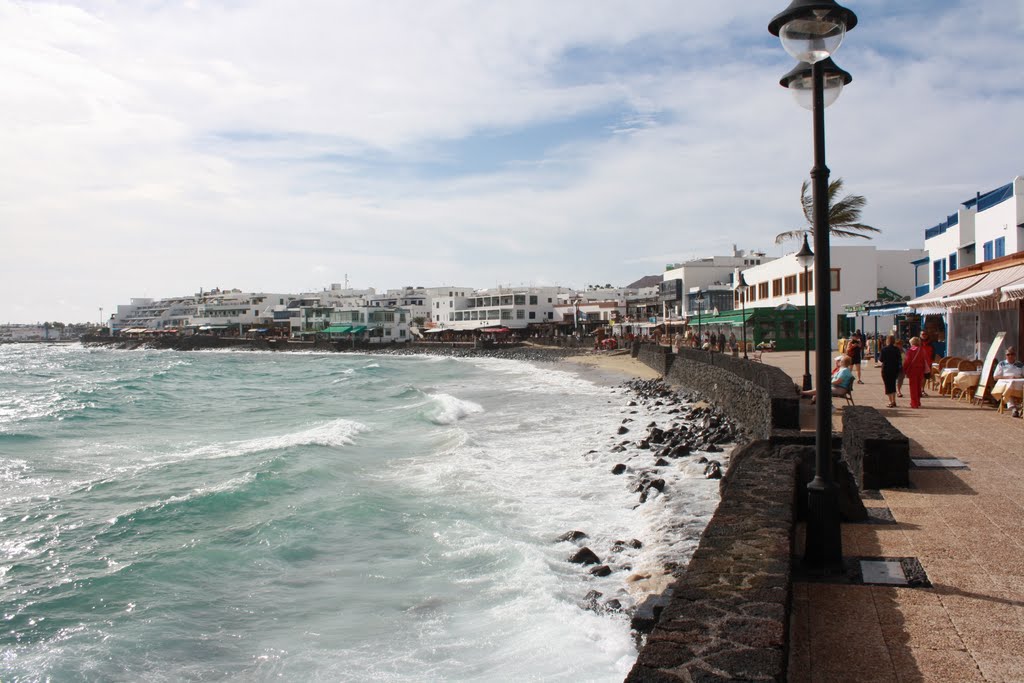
pixel 337 329
pixel 357 329
pixel 734 318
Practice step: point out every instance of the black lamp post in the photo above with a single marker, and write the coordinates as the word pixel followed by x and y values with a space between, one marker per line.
pixel 811 31
pixel 742 287
pixel 700 306
pixel 805 257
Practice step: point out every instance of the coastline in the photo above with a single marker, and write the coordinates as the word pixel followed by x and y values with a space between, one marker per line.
pixel 612 367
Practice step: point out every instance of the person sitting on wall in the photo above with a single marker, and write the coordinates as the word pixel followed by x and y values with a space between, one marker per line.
pixel 1009 368
pixel 842 379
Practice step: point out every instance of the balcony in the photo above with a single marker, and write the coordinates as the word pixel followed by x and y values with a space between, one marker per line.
pixel 921 290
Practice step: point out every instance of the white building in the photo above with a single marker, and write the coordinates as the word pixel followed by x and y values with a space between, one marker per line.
pixel 512 307
pixel 857 274
pixel 681 281
pixel 987 227
pixel 375 324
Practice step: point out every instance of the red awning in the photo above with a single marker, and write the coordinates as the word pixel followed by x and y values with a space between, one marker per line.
pixel 495 329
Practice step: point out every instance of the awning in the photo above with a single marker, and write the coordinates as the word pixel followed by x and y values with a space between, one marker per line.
pixel 337 329
pixel 501 330
pixel 356 329
pixel 437 330
pixel 894 310
pixel 976 291
pixel 937 296
pixel 984 291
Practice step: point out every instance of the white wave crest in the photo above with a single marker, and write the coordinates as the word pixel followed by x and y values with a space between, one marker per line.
pixel 448 410
pixel 340 432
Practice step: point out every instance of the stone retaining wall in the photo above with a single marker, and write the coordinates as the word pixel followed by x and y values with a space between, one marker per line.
pixel 876 452
pixel 729 612
pixel 761 397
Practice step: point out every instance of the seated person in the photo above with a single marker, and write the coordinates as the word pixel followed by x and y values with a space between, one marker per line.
pixel 1010 368
pixel 842 379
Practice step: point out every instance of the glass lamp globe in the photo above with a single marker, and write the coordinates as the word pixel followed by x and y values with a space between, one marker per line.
pixel 814 36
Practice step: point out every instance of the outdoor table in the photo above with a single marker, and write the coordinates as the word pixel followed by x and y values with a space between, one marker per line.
pixel 1005 388
pixel 946 380
pixel 966 380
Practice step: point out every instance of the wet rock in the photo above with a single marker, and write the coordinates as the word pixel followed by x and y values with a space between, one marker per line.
pixel 572 536
pixel 658 484
pixel 713 470
pixel 623 430
pixel 613 605
pixel 601 570
pixel 661 462
pixel 585 556
pixel 619 469
pixel 656 435
pixel 644 445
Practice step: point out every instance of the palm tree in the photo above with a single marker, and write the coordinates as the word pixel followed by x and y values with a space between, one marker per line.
pixel 843 215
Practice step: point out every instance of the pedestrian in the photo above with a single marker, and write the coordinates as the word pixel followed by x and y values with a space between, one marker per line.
pixel 914 366
pixel 855 350
pixel 902 377
pixel 929 358
pixel 891 362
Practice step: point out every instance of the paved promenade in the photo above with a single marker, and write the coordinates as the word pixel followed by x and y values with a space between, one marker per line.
pixel 965 526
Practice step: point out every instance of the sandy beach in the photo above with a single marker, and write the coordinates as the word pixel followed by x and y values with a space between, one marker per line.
pixel 616 365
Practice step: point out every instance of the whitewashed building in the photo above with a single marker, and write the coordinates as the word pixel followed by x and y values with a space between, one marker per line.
pixel 514 308
pixel 857 273
pixel 681 281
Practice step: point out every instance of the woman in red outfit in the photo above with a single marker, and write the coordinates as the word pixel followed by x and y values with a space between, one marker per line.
pixel 914 366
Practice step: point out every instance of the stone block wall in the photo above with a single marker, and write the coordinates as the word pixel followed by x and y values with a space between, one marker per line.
pixel 729 612
pixel 876 452
pixel 761 397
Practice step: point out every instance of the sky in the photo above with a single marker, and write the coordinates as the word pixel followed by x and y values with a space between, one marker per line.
pixel 157 147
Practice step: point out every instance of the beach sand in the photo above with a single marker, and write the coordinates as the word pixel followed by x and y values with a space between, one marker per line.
pixel 614 366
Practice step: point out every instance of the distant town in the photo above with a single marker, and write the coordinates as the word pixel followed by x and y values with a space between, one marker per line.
pixel 960 287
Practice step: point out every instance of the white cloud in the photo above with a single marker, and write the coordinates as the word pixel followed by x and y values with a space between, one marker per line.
pixel 153 148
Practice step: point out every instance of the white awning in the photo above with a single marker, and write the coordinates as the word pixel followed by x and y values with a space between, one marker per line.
pixel 937 296
pixel 984 291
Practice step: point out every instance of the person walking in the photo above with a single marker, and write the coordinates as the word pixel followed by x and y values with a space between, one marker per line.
pixel 891 361
pixel 855 350
pixel 914 366
pixel 929 353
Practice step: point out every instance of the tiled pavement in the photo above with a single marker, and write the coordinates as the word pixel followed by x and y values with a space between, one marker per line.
pixel 966 526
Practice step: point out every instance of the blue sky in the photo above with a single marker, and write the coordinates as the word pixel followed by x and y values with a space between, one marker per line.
pixel 154 148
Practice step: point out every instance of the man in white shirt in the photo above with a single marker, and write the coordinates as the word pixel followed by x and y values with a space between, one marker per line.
pixel 1010 368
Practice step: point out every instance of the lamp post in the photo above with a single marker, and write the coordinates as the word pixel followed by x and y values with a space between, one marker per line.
pixel 805 258
pixel 742 287
pixel 811 31
pixel 700 306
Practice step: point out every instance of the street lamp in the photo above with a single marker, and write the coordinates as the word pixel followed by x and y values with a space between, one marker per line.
pixel 811 31
pixel 805 258
pixel 742 287
pixel 700 306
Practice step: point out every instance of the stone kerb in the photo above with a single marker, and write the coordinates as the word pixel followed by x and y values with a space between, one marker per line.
pixel 875 451
pixel 727 618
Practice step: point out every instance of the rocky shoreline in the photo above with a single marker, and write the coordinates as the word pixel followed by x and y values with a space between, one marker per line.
pixel 693 435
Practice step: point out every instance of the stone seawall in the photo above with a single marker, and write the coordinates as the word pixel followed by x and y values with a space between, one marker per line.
pixel 762 397
pixel 728 615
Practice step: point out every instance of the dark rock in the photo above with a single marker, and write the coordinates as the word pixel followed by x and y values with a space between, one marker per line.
pixel 585 556
pixel 657 484
pixel 656 435
pixel 601 570
pixel 661 462
pixel 623 430
pixel 644 445
pixel 572 536
pixel 613 605
pixel 701 460
pixel 713 470
pixel 619 469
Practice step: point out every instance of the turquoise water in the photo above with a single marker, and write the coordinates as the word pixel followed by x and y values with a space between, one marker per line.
pixel 251 516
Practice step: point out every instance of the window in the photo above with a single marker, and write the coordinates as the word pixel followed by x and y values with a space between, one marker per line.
pixel 551 315
pixel 506 315
pixel 1000 246
pixel 533 299
pixel 790 285
pixel 520 299
pixel 401 333
pixel 937 272
pixel 777 287
pixel 952 261
pixel 762 290
pixel 833 279
pixel 520 314
pixel 807 281
pixel 533 315
pixel 988 252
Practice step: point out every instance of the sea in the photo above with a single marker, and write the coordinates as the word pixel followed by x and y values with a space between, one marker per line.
pixel 251 516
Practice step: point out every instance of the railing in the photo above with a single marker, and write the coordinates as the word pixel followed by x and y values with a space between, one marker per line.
pixel 921 290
